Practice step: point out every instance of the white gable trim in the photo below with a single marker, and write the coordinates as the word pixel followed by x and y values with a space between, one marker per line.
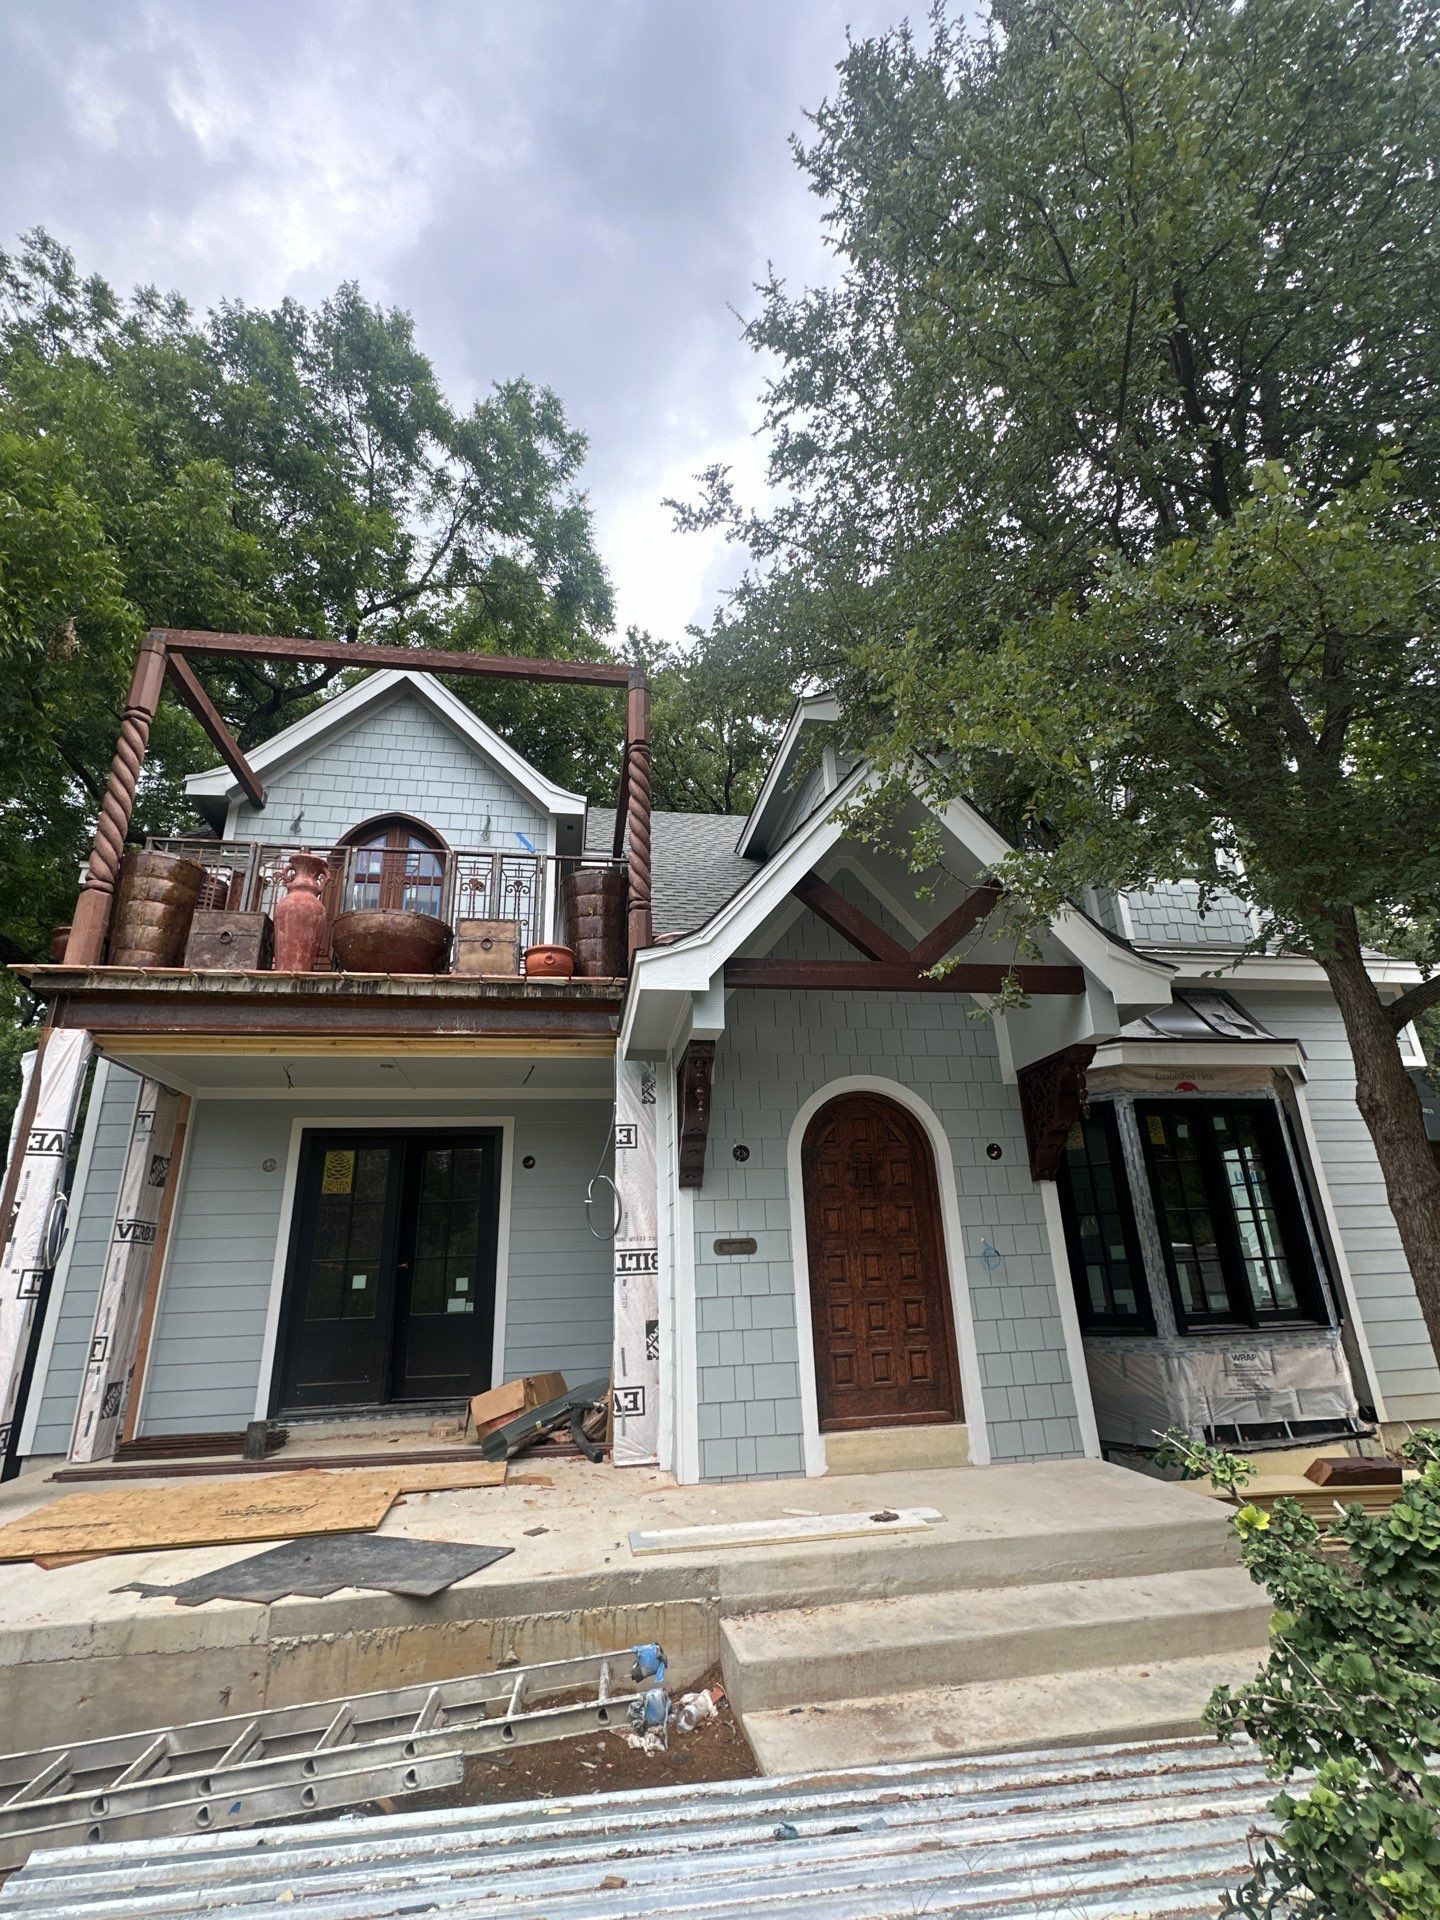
pixel 689 965
pixel 773 794
pixel 389 683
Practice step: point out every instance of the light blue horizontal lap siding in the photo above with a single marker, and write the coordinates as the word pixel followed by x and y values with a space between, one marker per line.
pixel 398 757
pixel 107 1125
pixel 777 1050
pixel 205 1362
pixel 1389 1310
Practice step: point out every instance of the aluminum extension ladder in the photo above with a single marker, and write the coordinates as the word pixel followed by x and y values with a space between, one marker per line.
pixel 326 1754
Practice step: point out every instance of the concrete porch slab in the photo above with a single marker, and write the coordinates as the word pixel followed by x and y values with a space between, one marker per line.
pixel 79 1658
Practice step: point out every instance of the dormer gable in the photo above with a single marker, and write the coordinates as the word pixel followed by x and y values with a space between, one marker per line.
pixel 397 743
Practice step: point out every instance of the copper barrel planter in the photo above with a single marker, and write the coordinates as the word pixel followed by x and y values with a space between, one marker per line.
pixel 390 940
pixel 595 920
pixel 153 909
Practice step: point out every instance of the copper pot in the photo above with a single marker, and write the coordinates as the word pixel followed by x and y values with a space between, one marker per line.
pixel 390 940
pixel 549 963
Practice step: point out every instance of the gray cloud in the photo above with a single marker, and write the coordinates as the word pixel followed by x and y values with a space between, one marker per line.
pixel 577 190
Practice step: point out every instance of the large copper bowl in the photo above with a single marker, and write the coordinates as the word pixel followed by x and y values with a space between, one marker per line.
pixel 390 940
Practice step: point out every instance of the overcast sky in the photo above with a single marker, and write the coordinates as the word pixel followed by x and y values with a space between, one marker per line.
pixel 575 190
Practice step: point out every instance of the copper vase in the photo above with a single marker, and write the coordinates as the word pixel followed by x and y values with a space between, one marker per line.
pixel 300 914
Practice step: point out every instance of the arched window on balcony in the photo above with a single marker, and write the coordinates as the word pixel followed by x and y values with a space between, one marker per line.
pixel 396 862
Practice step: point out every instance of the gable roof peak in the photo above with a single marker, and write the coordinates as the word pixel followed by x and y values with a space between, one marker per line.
pixel 344 710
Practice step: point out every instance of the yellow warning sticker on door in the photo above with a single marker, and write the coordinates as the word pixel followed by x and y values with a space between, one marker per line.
pixel 1157 1130
pixel 338 1173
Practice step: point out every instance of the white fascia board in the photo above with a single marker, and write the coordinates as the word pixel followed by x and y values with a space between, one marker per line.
pixel 813 707
pixel 1200 1054
pixel 1218 969
pixel 386 684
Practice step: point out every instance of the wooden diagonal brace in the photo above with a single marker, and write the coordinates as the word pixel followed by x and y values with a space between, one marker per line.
pixel 187 685
pixel 848 920
pixel 954 927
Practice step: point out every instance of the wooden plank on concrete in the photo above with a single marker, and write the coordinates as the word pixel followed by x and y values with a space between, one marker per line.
pixel 213 1513
pixel 439 1479
pixel 787 1532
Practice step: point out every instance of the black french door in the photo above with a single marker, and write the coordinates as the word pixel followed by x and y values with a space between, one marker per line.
pixel 390 1288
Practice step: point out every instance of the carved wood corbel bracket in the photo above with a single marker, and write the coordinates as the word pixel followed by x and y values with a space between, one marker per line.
pixel 1052 1099
pixel 692 1109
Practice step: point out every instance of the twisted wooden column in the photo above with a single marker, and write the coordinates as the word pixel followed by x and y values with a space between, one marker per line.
pixel 86 947
pixel 637 814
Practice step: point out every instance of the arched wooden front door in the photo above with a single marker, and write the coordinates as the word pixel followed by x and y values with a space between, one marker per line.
pixel 879 1287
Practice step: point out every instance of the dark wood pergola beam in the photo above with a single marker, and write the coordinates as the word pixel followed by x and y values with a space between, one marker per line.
pixel 881 976
pixel 344 653
pixel 183 678
pixel 165 652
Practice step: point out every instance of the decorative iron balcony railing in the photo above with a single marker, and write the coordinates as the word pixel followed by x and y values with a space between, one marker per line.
pixel 450 884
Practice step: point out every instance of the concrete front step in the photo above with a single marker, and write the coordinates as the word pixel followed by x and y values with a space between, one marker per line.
pixel 868 1648
pixel 897 1449
pixel 1159 1701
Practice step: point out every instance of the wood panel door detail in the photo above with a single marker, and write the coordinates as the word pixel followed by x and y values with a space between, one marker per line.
pixel 879 1286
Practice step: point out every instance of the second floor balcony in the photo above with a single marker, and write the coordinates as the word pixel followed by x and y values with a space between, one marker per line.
pixel 483 910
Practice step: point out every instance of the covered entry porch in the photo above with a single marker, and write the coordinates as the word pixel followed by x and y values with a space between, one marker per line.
pixel 346 1227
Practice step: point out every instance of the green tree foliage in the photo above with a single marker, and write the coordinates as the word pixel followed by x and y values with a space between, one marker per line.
pixel 1350 1693
pixel 1112 454
pixel 717 709
pixel 291 471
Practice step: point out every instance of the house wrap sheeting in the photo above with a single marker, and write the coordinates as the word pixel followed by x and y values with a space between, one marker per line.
pixel 31 1233
pixel 636 1383
pixel 1100 1832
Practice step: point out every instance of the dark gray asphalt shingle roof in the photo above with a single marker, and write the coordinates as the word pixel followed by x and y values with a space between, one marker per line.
pixel 694 866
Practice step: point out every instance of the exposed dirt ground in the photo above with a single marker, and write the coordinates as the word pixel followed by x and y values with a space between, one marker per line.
pixel 595 1763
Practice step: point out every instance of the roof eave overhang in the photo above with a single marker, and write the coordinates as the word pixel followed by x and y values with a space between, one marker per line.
pixel 1176 1055
pixel 1222 968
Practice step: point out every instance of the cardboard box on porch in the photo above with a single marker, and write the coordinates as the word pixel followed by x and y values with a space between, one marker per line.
pixel 493 1409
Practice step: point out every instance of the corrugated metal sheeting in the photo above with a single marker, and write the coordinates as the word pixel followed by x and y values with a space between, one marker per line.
pixel 1088 1834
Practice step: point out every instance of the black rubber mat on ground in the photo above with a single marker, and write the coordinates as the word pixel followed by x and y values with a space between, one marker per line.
pixel 417 1569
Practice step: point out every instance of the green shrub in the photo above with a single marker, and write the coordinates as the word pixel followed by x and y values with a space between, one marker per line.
pixel 1350 1695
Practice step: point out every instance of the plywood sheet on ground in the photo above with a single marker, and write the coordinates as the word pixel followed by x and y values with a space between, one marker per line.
pixel 203 1513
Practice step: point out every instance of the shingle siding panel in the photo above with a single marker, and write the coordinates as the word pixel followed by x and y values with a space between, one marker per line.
pixel 1168 915
pixel 1394 1325
pixel 401 758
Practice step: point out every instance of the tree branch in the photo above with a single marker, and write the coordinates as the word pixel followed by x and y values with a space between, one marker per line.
pixel 1413 1002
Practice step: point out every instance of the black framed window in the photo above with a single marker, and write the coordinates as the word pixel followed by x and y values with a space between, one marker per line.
pixel 1104 1249
pixel 1230 1215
